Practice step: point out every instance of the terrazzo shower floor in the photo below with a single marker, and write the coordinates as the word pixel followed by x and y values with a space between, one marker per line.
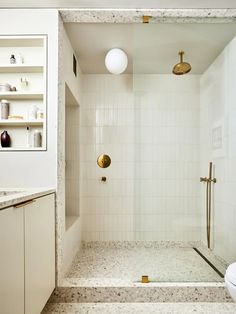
pixel 121 266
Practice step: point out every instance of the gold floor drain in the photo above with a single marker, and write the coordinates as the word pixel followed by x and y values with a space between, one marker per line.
pixel 145 279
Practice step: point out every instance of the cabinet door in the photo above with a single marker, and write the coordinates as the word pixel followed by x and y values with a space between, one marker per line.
pixel 39 253
pixel 12 261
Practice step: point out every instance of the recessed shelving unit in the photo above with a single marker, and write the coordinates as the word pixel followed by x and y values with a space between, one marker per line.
pixel 28 76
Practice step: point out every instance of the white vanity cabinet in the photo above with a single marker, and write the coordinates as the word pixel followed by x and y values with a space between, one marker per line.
pixel 27 260
pixel 12 261
pixel 39 253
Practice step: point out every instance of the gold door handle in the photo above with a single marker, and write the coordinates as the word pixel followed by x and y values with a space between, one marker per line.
pixel 24 203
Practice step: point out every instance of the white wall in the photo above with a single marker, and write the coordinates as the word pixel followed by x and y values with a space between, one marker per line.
pixel 41 165
pixel 218 117
pixel 150 128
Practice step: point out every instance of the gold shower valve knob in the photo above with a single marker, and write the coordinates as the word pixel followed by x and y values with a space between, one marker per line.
pixel 104 161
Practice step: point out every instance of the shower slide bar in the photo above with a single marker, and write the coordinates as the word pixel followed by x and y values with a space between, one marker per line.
pixel 208 182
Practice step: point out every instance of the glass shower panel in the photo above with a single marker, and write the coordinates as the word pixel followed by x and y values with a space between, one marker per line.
pixel 167 214
pixel 167 141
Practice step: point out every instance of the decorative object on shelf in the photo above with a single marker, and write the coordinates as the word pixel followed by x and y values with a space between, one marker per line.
pixel 116 61
pixel 19 59
pixel 5 139
pixel 39 114
pixel 5 109
pixel 12 59
pixel 28 137
pixel 5 87
pixel 104 161
pixel 13 89
pixel 37 138
pixel 32 113
pixel 24 83
pixel 15 117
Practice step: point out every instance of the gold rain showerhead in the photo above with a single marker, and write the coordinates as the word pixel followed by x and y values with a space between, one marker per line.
pixel 181 67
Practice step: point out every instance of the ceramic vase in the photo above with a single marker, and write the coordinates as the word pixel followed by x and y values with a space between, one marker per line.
pixel 5 139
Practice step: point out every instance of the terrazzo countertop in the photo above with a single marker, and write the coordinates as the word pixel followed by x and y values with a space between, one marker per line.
pixel 10 197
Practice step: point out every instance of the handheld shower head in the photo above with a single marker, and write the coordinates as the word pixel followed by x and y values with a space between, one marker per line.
pixel 181 67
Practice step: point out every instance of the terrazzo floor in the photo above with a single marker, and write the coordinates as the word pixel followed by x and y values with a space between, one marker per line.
pixel 141 308
pixel 100 266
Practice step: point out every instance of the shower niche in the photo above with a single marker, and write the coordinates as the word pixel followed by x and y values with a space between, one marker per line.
pixel 72 172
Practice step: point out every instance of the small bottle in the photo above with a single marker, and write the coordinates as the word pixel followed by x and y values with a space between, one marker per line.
pixel 32 112
pixel 39 114
pixel 37 138
pixel 24 83
pixel 19 59
pixel 28 136
pixel 12 59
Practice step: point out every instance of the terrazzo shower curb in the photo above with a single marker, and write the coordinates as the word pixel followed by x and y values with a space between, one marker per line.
pixel 141 308
pixel 139 244
pixel 147 294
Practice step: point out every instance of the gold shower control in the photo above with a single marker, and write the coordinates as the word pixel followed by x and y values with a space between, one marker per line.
pixel 104 161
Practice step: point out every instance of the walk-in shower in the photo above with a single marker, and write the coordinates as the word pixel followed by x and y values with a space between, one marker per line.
pixel 151 216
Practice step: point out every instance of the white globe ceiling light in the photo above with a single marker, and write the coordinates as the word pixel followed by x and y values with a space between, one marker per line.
pixel 116 61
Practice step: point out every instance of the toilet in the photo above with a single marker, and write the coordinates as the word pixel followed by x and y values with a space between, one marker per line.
pixel 230 280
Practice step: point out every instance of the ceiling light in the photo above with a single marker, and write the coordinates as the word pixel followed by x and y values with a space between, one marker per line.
pixel 116 61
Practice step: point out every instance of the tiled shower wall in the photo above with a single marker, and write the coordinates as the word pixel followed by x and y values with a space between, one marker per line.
pixel 218 144
pixel 149 125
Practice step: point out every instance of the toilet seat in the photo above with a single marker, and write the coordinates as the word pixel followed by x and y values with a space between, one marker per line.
pixel 231 273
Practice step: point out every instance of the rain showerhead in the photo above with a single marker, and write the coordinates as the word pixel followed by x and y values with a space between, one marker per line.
pixel 181 67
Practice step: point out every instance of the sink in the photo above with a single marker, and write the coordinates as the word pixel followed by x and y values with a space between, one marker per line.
pixel 7 193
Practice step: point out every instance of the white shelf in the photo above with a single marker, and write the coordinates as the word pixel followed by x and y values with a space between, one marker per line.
pixel 21 95
pixel 20 68
pixel 21 41
pixel 18 122
pixel 22 148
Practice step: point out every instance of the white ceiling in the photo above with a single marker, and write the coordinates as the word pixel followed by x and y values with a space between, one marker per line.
pixel 120 3
pixel 151 48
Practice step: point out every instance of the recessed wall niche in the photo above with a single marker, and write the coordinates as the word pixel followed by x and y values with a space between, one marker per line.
pixel 23 92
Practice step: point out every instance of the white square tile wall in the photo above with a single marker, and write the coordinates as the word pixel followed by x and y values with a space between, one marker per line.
pixel 149 125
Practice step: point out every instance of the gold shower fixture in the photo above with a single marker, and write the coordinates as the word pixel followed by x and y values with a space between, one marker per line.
pixel 181 67
pixel 104 161
pixel 208 182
